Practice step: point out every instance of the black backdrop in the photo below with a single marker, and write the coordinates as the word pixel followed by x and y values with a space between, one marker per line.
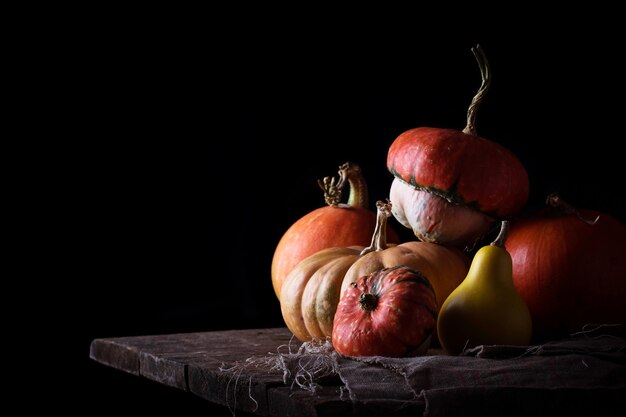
pixel 199 149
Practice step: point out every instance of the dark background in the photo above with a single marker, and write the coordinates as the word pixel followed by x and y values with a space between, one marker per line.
pixel 198 148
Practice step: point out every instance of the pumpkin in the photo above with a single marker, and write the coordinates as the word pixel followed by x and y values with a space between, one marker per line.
pixel 569 270
pixel 390 312
pixel 451 186
pixel 335 225
pixel 311 292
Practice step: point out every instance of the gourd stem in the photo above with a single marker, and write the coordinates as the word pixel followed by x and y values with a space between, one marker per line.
pixel 379 238
pixel 351 174
pixel 555 200
pixel 332 192
pixel 485 74
pixel 358 187
pixel 368 301
pixel 504 232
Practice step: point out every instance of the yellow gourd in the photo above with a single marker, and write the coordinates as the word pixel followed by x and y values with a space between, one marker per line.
pixel 485 309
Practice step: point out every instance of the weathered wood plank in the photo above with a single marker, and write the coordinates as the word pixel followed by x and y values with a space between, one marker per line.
pixel 245 391
pixel 165 368
pixel 116 354
pixel 331 401
pixel 285 402
pixel 192 362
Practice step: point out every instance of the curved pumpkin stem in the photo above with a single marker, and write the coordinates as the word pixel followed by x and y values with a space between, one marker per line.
pixel 351 174
pixel 358 187
pixel 555 200
pixel 379 238
pixel 485 74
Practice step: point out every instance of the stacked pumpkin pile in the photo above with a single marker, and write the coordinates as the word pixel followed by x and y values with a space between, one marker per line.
pixel 339 273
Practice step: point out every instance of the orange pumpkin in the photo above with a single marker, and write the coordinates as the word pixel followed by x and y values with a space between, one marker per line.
pixel 335 225
pixel 311 292
pixel 569 270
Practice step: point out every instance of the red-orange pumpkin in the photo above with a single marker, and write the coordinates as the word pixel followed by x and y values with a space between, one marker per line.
pixel 569 272
pixel 451 186
pixel 390 312
pixel 336 225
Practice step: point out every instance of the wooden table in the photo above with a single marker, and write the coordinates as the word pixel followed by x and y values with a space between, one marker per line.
pixel 193 362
